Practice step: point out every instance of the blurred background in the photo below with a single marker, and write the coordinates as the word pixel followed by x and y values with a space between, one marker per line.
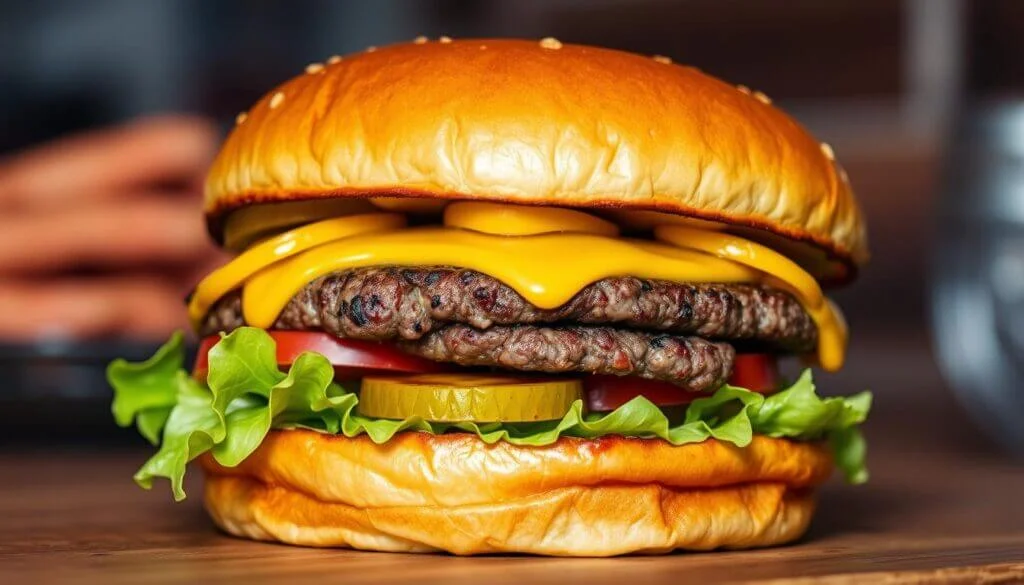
pixel 917 97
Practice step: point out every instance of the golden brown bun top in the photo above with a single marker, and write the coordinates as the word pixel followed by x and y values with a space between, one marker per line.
pixel 537 123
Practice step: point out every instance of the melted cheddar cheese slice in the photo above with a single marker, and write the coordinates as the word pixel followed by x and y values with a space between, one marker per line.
pixel 547 268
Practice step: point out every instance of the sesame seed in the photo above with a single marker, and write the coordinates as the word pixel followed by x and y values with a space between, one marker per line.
pixel 371 49
pixel 550 43
pixel 483 47
pixel 276 100
pixel 445 40
pixel 420 40
pixel 762 98
pixel 843 176
pixel 827 151
pixel 662 59
pixel 333 60
pixel 240 118
pixel 314 68
pixel 743 89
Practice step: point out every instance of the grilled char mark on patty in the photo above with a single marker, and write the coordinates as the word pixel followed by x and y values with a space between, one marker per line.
pixel 692 363
pixel 384 303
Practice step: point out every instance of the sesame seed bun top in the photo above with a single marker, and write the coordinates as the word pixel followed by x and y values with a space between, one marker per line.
pixel 541 123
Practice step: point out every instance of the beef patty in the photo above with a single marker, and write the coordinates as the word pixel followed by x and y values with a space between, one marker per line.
pixel 407 303
pixel 624 326
pixel 692 363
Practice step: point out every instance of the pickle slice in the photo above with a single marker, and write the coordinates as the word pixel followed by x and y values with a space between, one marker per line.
pixel 468 398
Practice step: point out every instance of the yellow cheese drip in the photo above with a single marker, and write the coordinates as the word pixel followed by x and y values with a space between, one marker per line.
pixel 290 243
pixel 520 220
pixel 780 271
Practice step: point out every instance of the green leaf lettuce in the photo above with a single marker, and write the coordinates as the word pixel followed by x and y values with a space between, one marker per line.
pixel 246 395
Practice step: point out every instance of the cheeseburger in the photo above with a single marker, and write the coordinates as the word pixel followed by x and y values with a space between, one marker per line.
pixel 512 296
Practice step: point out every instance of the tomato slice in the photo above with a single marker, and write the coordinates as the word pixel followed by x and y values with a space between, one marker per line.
pixel 606 393
pixel 757 372
pixel 352 358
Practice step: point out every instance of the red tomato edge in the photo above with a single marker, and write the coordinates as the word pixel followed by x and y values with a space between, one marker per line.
pixel 352 358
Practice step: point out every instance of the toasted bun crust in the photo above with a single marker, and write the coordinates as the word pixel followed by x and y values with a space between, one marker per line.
pixel 537 123
pixel 454 493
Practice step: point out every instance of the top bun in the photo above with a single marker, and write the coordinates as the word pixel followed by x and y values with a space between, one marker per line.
pixel 537 123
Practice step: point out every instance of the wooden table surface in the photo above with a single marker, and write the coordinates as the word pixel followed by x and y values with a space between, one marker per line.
pixel 942 505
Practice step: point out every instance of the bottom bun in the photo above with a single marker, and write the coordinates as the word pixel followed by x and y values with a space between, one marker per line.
pixel 646 496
